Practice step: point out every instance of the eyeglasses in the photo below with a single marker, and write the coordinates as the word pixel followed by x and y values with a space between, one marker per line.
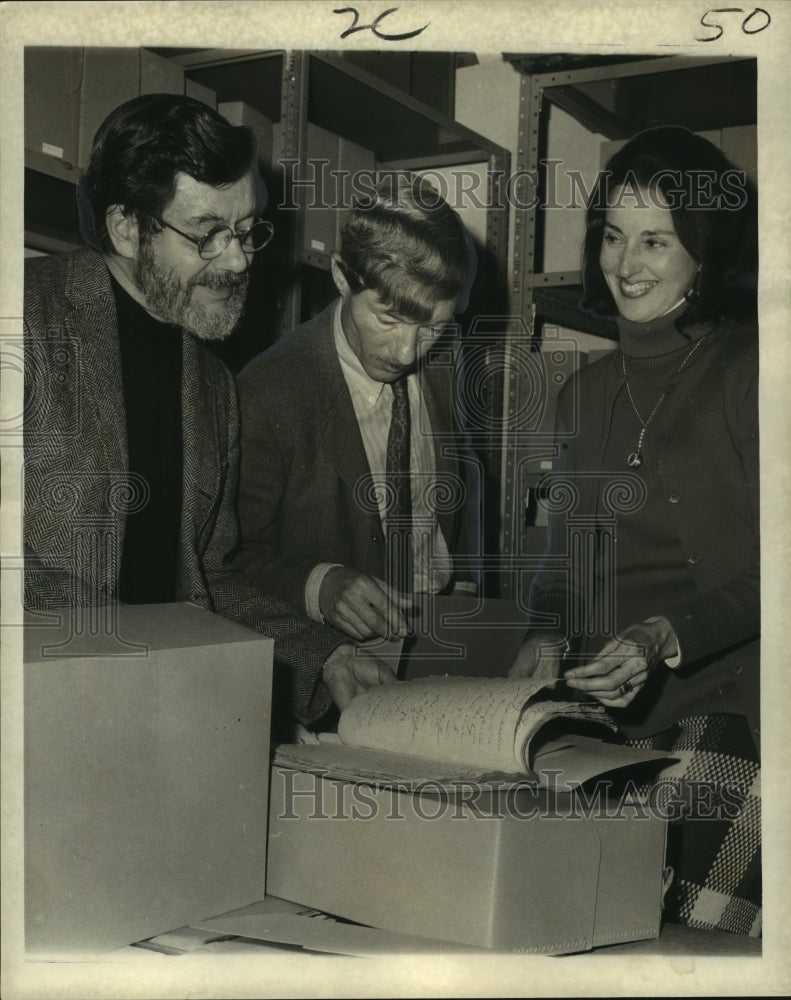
pixel 219 239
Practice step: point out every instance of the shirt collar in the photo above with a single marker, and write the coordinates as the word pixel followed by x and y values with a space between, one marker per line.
pixel 368 387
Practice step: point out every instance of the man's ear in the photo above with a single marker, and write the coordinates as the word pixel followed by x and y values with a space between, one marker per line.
pixel 338 276
pixel 123 232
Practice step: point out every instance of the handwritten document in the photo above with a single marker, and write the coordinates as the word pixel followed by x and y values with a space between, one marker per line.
pixel 477 722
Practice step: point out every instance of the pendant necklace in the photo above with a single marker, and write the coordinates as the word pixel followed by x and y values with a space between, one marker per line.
pixel 635 460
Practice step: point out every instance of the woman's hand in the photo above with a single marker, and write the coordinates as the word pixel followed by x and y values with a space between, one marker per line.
pixel 539 656
pixel 622 666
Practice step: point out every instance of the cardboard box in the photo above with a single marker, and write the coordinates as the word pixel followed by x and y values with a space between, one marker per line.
pixel 461 636
pixel 52 106
pixel 353 160
pixel 321 196
pixel 240 113
pixel 201 93
pixel 146 774
pixel 529 874
pixel 159 75
pixel 110 76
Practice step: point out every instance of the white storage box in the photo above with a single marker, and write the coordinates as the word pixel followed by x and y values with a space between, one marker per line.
pixel 544 876
pixel 145 776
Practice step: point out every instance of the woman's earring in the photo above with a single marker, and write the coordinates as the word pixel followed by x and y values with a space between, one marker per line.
pixel 693 295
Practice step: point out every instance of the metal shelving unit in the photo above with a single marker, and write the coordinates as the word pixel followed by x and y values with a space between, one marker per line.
pixel 402 133
pixel 296 90
pixel 293 90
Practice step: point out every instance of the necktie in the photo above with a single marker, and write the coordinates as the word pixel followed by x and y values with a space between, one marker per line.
pixel 399 495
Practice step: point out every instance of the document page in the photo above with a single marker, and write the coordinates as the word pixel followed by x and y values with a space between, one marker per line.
pixel 460 720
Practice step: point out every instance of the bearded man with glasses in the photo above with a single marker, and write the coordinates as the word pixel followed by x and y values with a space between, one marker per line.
pixel 130 420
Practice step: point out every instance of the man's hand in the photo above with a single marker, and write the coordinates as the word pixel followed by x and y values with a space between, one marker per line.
pixel 621 668
pixel 347 672
pixel 539 656
pixel 362 606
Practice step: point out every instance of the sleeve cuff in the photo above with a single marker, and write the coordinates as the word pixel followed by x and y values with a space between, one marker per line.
pixel 465 587
pixel 312 588
pixel 674 661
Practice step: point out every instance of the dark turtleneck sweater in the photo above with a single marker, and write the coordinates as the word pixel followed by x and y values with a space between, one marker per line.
pixel 151 373
pixel 647 546
pixel 689 551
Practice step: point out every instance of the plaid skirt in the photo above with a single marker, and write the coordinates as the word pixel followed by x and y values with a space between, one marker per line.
pixel 712 798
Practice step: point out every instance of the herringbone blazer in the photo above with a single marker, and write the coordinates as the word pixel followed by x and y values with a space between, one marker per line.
pixel 78 490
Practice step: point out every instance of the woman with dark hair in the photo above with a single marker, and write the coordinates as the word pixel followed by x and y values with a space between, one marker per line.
pixel 712 206
pixel 654 497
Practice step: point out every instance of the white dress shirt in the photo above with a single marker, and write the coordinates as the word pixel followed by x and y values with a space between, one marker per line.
pixel 373 402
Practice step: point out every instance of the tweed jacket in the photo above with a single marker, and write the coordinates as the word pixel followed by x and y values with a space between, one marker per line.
pixel 304 463
pixel 78 487
pixel 708 466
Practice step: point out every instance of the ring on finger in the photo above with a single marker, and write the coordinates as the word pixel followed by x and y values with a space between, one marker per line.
pixel 625 688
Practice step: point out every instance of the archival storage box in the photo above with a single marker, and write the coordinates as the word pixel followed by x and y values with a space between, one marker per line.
pixel 146 772
pixel 533 871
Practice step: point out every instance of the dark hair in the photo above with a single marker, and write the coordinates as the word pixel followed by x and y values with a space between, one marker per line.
pixel 141 146
pixel 713 205
pixel 407 244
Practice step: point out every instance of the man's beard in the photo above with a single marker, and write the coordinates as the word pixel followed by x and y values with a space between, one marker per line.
pixel 172 299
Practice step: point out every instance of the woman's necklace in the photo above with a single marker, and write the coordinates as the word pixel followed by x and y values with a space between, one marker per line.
pixel 635 460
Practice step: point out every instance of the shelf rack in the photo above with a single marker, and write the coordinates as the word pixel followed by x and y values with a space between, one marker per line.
pixel 402 133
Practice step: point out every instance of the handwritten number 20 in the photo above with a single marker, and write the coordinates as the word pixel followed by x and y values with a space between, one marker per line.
pixel 764 20
pixel 374 25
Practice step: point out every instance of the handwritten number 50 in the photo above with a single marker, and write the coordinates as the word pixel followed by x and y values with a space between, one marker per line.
pixel 755 21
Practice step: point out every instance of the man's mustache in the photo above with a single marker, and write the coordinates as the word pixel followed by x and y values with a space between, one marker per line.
pixel 224 279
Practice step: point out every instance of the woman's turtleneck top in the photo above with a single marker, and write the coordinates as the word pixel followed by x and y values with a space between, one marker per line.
pixel 689 549
pixel 653 352
pixel 648 556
